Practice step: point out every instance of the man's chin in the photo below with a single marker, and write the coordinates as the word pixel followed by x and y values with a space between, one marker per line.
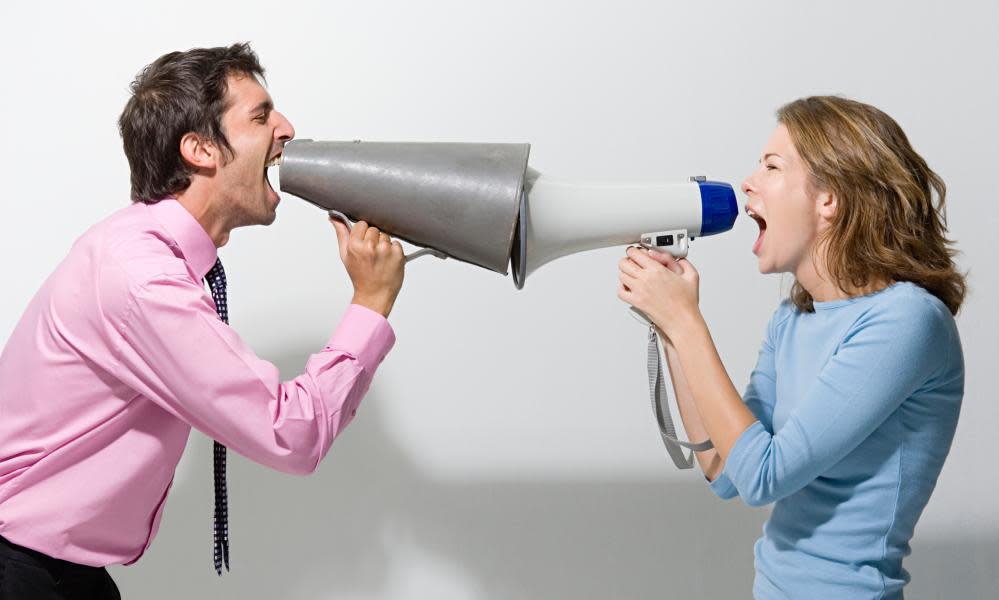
pixel 265 216
pixel 270 209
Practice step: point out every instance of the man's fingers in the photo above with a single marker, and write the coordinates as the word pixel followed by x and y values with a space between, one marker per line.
pixel 342 235
pixel 371 235
pixel 397 249
pixel 359 231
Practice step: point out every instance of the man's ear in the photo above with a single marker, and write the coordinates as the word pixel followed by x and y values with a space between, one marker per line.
pixel 198 152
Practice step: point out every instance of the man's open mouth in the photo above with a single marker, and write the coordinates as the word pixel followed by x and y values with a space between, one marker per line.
pixel 273 162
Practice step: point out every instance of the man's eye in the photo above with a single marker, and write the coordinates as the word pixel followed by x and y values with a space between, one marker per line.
pixel 261 119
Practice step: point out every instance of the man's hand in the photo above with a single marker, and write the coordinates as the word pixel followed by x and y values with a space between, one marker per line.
pixel 374 262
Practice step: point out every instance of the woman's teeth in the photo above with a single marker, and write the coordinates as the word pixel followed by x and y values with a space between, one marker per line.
pixel 759 220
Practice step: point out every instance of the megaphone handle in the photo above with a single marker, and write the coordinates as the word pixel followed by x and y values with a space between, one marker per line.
pixel 426 252
pixel 339 216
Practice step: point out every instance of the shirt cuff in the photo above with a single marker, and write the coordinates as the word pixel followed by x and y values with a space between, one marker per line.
pixel 723 488
pixel 364 334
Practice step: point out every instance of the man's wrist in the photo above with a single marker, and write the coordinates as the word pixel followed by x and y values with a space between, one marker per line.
pixel 382 306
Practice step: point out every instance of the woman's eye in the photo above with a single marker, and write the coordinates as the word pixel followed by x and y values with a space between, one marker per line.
pixel 771 167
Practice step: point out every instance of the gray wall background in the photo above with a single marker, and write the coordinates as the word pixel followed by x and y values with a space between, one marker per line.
pixel 506 449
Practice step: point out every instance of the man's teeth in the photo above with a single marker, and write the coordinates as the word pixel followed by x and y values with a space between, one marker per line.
pixel 274 161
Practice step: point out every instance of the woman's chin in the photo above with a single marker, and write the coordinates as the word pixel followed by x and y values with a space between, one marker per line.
pixel 765 267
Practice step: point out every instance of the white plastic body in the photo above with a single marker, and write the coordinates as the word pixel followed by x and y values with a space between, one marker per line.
pixel 678 248
pixel 566 217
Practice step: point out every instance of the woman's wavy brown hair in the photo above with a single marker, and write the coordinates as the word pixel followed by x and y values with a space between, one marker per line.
pixel 888 225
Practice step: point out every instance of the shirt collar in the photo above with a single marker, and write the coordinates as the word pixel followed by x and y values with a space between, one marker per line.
pixel 193 241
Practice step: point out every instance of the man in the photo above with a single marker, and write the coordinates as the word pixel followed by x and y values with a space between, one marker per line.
pixel 122 351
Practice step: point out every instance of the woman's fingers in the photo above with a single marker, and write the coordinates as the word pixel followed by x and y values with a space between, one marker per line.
pixel 664 258
pixel 626 265
pixel 624 294
pixel 642 258
pixel 689 272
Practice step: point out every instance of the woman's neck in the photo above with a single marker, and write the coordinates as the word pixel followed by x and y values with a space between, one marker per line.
pixel 814 277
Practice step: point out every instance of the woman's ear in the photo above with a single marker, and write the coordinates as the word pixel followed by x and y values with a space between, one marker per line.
pixel 198 152
pixel 827 205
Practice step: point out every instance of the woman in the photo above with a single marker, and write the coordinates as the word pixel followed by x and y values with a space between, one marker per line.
pixel 851 409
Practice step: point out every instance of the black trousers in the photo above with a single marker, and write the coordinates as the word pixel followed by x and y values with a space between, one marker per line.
pixel 29 575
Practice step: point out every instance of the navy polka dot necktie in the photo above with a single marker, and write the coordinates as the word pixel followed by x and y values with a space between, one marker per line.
pixel 216 283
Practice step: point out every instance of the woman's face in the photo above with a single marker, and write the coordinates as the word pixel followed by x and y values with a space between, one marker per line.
pixel 779 200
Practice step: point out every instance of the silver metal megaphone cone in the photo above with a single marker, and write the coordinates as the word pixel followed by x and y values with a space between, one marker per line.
pixel 461 199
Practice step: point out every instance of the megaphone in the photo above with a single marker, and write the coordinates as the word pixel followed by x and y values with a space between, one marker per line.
pixel 559 218
pixel 482 204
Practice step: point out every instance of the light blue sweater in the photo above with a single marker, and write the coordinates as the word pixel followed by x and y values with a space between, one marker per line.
pixel 857 405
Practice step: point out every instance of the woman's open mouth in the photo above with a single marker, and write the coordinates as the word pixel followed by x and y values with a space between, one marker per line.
pixel 763 229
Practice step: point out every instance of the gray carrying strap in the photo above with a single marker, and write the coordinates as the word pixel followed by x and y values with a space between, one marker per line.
pixel 660 406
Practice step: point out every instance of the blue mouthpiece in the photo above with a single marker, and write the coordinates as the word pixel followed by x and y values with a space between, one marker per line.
pixel 718 207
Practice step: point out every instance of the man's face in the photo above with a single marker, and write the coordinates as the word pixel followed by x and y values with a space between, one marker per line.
pixel 257 134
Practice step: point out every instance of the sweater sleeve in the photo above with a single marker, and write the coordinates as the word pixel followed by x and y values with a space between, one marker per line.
pixel 761 392
pixel 885 357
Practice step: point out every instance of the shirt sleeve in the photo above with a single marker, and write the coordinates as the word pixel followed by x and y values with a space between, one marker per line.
pixel 177 352
pixel 887 355
pixel 760 395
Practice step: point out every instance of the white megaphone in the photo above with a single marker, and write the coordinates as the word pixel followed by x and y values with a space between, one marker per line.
pixel 482 204
pixel 559 218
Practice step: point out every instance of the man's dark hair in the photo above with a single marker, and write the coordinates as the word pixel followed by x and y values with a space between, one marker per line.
pixel 179 93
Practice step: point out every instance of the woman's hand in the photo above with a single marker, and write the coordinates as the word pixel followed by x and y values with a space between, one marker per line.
pixel 663 288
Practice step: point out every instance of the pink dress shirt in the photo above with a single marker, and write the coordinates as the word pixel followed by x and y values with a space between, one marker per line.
pixel 117 356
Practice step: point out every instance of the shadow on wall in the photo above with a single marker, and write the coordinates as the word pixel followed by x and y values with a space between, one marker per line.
pixel 369 524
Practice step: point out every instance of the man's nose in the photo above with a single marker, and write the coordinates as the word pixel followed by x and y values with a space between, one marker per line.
pixel 285 131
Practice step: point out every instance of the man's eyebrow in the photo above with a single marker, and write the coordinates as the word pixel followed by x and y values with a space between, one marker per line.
pixel 265 106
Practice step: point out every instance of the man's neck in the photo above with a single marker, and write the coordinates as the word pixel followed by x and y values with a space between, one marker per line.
pixel 201 206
